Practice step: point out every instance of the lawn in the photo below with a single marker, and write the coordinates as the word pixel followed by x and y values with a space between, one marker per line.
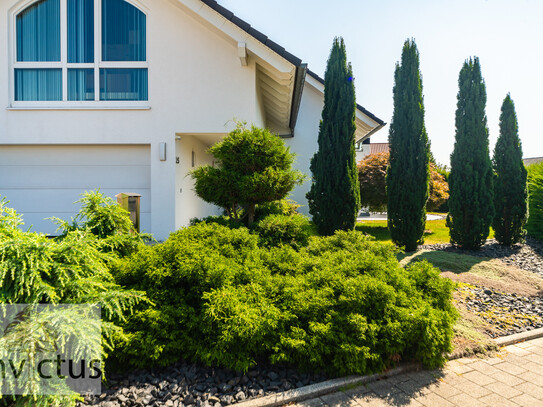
pixel 436 231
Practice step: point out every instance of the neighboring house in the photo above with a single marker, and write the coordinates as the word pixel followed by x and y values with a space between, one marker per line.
pixel 365 148
pixel 529 161
pixel 127 95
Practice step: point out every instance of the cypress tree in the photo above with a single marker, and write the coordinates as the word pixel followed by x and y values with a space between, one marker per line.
pixel 471 207
pixel 510 190
pixel 334 197
pixel 408 174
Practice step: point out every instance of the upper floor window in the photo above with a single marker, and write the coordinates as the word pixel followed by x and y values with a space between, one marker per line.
pixel 80 51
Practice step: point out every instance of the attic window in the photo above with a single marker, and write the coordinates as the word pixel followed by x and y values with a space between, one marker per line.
pixel 96 53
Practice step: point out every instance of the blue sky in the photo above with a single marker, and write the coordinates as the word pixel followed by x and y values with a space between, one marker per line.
pixel 506 35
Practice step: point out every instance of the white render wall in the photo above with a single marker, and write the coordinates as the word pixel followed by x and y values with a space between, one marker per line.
pixel 188 204
pixel 304 143
pixel 188 93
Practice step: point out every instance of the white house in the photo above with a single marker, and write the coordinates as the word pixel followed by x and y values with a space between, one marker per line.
pixel 127 95
pixel 365 148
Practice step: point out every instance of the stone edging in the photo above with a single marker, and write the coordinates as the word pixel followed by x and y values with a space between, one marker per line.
pixel 330 386
pixel 319 389
pixel 520 337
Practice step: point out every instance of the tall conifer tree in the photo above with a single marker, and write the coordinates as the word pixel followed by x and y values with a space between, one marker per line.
pixel 408 174
pixel 471 207
pixel 334 197
pixel 510 190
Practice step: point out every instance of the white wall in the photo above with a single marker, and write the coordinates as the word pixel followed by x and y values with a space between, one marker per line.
pixel 304 143
pixel 41 181
pixel 362 153
pixel 188 93
pixel 187 204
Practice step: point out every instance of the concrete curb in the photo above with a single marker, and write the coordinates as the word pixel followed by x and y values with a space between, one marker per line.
pixel 520 337
pixel 330 386
pixel 320 389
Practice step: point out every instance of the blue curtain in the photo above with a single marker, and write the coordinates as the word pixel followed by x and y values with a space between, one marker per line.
pixel 80 84
pixel 38 84
pixel 123 84
pixel 123 32
pixel 80 31
pixel 38 32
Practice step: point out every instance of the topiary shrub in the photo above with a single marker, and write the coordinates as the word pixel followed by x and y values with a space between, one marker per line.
pixel 255 167
pixel 535 200
pixel 293 230
pixel 341 304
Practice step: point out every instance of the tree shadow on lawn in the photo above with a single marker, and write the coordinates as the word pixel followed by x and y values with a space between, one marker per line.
pixel 445 261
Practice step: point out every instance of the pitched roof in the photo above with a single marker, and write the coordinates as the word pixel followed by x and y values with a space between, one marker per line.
pixel 535 160
pixel 376 148
pixel 359 107
pixel 245 26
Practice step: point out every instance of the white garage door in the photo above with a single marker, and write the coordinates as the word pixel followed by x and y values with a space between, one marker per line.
pixel 44 181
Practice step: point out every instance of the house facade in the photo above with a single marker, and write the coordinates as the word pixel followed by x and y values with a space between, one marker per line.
pixel 127 95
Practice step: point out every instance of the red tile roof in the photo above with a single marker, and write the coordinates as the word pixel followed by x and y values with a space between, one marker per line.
pixel 376 148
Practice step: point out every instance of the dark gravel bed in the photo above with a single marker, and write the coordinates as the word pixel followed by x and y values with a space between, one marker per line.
pixel 199 386
pixel 528 256
pixel 507 313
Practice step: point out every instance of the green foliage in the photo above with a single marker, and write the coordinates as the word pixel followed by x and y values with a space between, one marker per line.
pixel 535 187
pixel 220 220
pixel 255 168
pixel 408 173
pixel 471 208
pixel 281 207
pixel 510 189
pixel 175 275
pixel 274 230
pixel 341 304
pixel 372 171
pixel 72 270
pixel 334 197
pixel 103 217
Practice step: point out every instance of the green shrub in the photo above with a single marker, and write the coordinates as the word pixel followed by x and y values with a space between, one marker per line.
pixel 255 167
pixel 275 230
pixel 220 220
pixel 535 200
pixel 176 274
pixel 73 270
pixel 104 218
pixel 281 207
pixel 341 304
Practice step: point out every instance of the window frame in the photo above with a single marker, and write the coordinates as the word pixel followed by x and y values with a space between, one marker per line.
pixel 64 65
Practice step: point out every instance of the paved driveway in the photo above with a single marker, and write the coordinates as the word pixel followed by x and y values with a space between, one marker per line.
pixel 512 378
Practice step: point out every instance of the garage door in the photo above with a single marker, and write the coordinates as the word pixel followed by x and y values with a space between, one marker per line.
pixel 44 181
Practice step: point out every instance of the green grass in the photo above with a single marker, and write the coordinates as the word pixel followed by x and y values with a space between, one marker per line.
pixel 436 231
pixel 445 261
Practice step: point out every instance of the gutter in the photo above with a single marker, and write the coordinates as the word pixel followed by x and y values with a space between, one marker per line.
pixel 299 82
